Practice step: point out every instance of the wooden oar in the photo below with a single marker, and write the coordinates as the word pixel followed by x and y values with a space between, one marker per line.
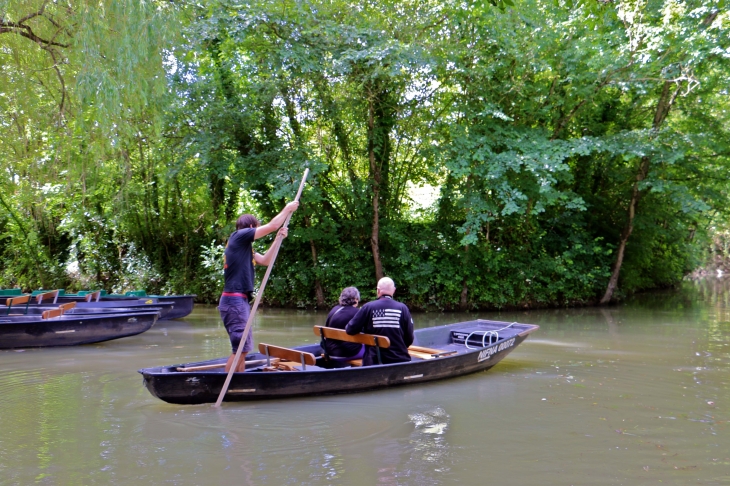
pixel 275 249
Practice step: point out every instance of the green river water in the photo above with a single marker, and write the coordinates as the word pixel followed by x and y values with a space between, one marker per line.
pixel 634 394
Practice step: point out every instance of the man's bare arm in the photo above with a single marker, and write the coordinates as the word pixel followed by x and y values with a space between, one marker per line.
pixel 276 221
pixel 265 259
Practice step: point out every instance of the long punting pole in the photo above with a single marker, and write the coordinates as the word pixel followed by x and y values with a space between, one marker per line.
pixel 275 248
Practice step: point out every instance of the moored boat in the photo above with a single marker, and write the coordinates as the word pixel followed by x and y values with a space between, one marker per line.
pixel 165 308
pixel 183 304
pixel 24 306
pixel 173 306
pixel 66 330
pixel 437 353
pixel 37 310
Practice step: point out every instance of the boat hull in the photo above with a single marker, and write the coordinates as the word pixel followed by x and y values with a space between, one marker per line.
pixel 70 330
pixel 165 308
pixel 204 386
pixel 182 305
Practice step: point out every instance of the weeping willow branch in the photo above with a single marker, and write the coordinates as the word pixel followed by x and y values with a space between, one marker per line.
pixel 26 240
pixel 21 28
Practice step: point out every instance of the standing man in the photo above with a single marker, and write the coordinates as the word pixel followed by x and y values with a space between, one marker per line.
pixel 238 272
pixel 385 317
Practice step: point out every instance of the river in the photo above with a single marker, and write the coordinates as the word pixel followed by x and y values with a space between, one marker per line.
pixel 632 394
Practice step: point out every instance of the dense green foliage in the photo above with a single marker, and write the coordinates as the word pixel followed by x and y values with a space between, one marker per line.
pixel 483 154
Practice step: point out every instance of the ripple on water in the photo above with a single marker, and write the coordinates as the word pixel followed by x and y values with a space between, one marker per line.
pixel 18 386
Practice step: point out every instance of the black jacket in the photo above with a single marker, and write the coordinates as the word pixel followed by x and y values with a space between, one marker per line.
pixel 338 318
pixel 384 317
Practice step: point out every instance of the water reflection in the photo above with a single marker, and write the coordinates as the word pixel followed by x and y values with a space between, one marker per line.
pixel 428 442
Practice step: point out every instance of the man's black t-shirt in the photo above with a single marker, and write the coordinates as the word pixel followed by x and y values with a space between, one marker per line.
pixel 238 262
pixel 384 317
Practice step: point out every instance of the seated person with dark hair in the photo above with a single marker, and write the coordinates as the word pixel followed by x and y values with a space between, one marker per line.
pixel 338 318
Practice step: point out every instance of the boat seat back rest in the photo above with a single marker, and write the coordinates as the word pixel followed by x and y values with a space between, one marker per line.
pixel 300 358
pixel 93 296
pixel 67 306
pixel 50 314
pixel 17 300
pixel 340 335
pixel 24 299
pixel 47 295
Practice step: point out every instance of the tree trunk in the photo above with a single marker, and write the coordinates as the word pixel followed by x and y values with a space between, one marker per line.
pixel 635 196
pixel 375 174
pixel 663 105
pixel 381 119
pixel 463 300
pixel 318 290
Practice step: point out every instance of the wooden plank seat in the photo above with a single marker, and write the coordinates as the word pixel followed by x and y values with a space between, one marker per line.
pixel 366 339
pixel 23 299
pixel 293 356
pixel 428 353
pixel 47 295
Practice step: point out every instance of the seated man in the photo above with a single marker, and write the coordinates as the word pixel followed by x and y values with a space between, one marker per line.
pixel 338 318
pixel 385 317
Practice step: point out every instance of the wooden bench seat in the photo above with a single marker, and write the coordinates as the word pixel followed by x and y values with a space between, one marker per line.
pixel 293 356
pixel 428 353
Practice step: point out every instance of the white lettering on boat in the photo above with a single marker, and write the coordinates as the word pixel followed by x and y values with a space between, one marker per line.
pixel 64 332
pixel 242 390
pixel 487 353
pixel 413 376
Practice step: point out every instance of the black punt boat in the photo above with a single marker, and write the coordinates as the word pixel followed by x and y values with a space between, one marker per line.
pixel 182 304
pixel 172 306
pixel 165 308
pixel 67 330
pixel 138 305
pixel 438 353
pixel 38 310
